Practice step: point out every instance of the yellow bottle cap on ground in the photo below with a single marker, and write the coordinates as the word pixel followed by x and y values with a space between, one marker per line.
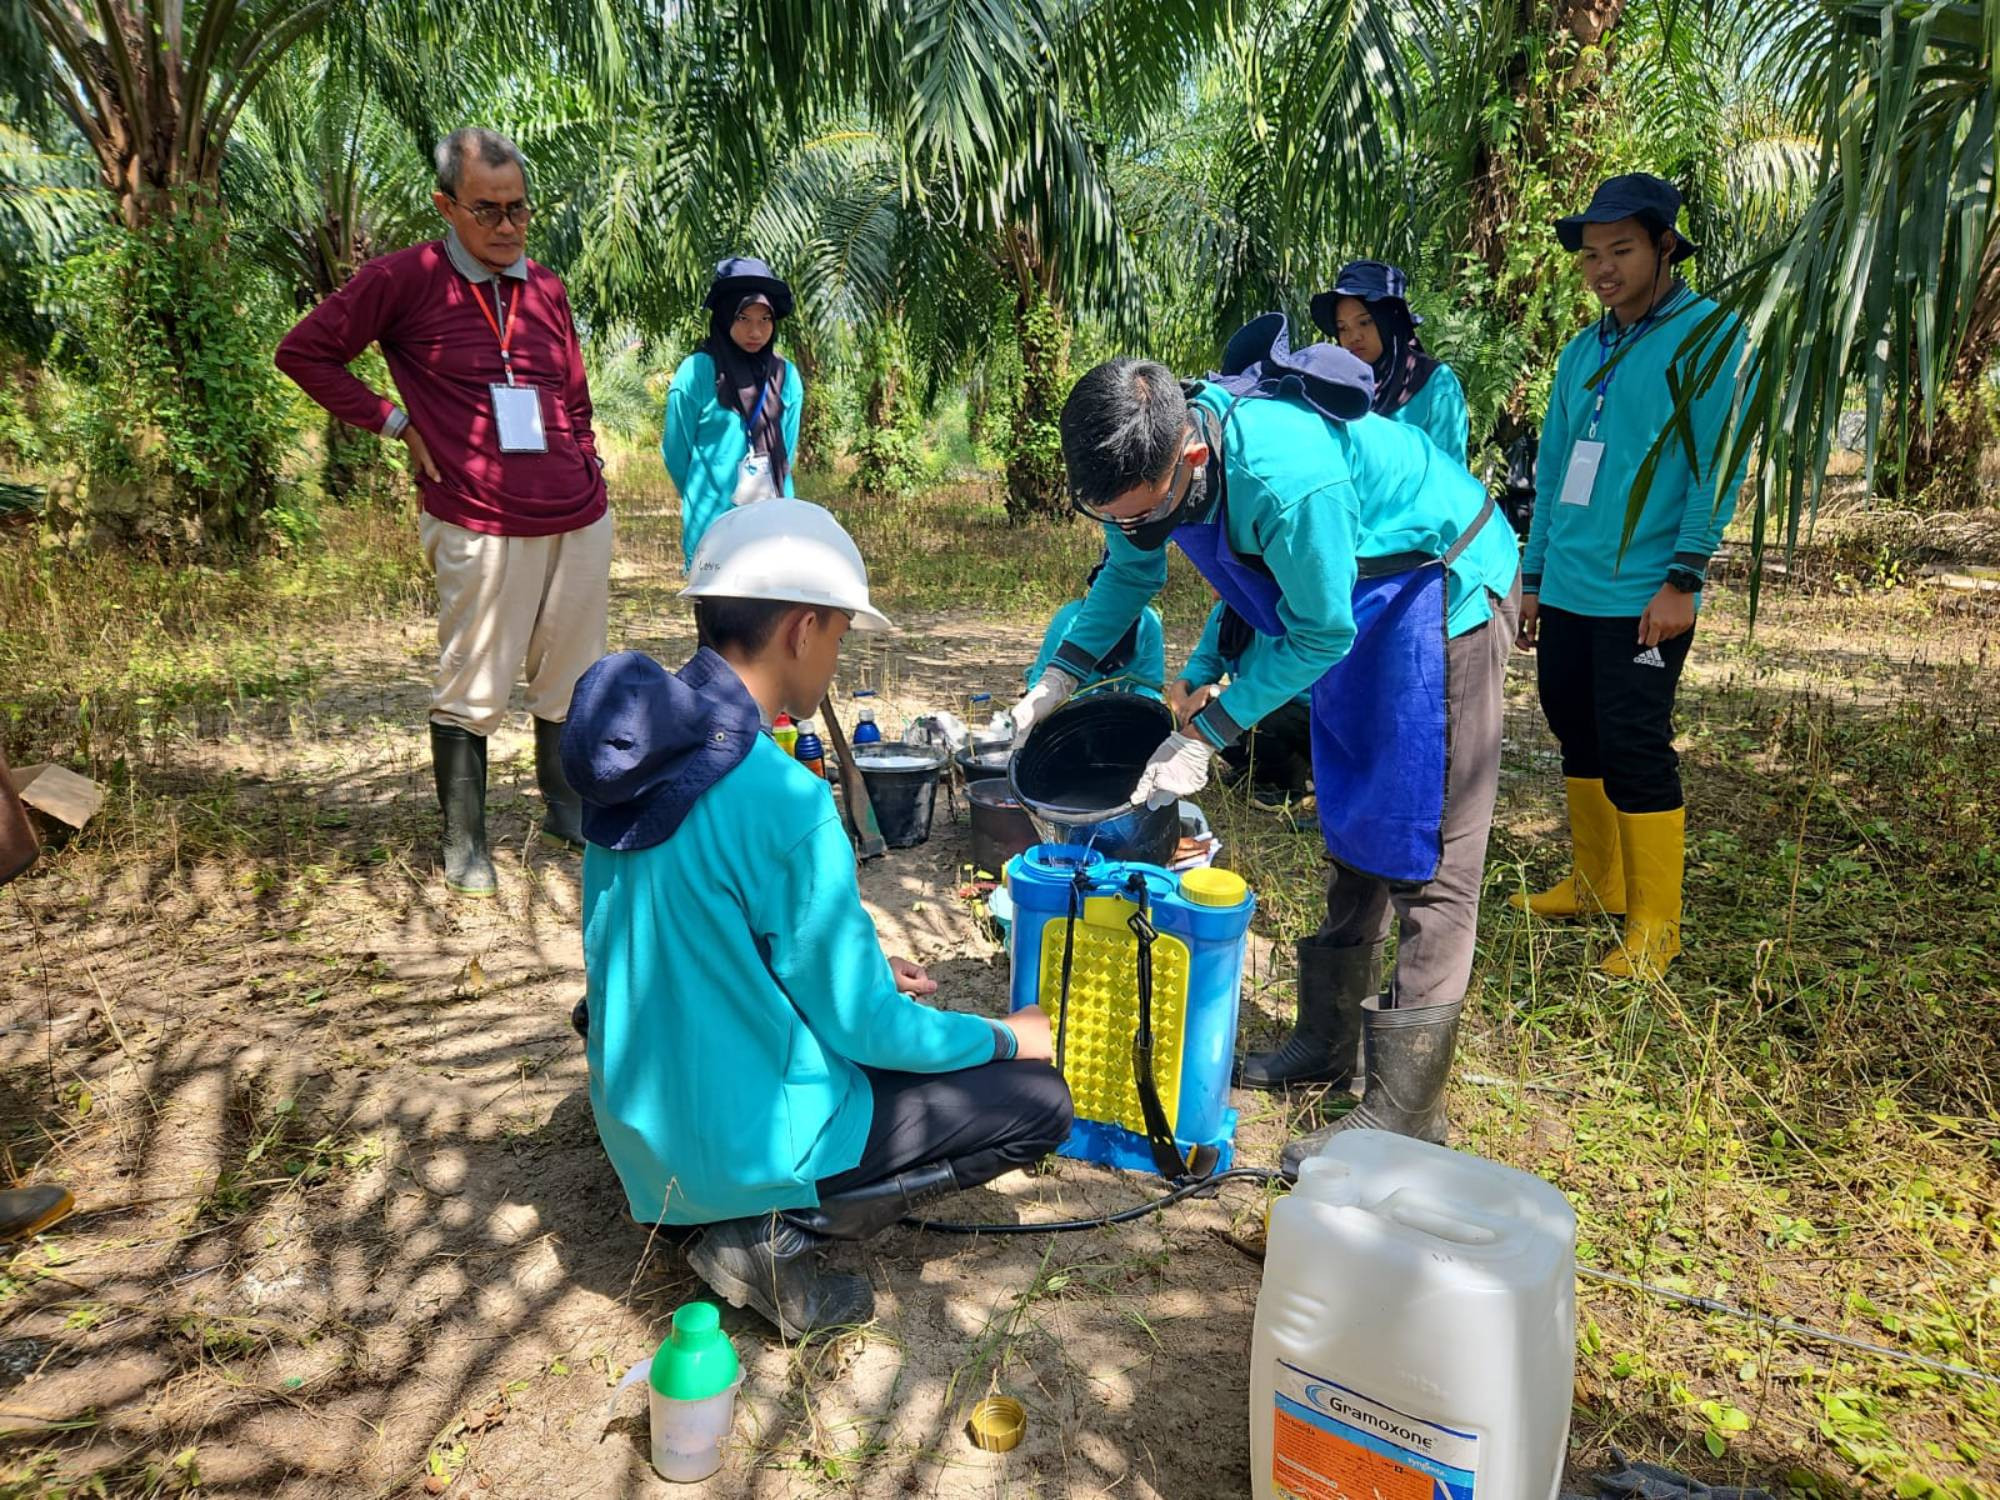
pixel 997 1423
pixel 1213 887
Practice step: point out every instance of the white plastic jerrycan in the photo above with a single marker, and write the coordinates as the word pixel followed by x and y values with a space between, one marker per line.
pixel 691 1393
pixel 1416 1331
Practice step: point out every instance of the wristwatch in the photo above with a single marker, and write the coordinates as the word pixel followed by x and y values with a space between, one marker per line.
pixel 1685 579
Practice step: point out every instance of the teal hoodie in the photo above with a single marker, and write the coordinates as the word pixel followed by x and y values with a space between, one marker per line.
pixel 1311 496
pixel 1206 664
pixel 1143 675
pixel 736 984
pixel 1572 558
pixel 1439 411
pixel 704 441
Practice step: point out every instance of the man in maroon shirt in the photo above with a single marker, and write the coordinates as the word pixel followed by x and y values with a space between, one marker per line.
pixel 496 415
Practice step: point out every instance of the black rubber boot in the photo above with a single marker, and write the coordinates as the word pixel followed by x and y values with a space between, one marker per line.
pixel 770 1264
pixel 579 1017
pixel 563 822
pixel 30 1210
pixel 1409 1062
pixel 1333 982
pixel 459 758
pixel 864 1212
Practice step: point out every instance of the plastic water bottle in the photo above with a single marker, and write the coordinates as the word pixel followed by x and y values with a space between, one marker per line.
pixel 692 1381
pixel 809 752
pixel 865 731
pixel 786 733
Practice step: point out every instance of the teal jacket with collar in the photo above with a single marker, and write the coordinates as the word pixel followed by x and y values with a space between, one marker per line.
pixel 737 987
pixel 1310 497
pixel 1573 558
pixel 1145 674
pixel 1440 412
pixel 704 442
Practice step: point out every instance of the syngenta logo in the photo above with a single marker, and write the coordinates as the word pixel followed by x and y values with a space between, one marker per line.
pixel 1330 1401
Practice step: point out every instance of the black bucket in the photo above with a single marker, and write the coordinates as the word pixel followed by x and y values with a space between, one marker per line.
pixel 981 765
pixel 1001 827
pixel 1077 769
pixel 902 785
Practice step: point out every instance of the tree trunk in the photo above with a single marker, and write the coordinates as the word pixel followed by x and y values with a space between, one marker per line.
pixel 1548 147
pixel 1941 469
pixel 1036 483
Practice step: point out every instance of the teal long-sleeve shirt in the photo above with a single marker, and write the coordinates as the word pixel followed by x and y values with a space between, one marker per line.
pixel 1206 664
pixel 704 441
pixel 1310 497
pixel 736 988
pixel 1439 410
pixel 1145 674
pixel 1572 559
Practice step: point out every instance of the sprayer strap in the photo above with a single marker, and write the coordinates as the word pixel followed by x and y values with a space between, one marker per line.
pixel 1069 954
pixel 1159 1134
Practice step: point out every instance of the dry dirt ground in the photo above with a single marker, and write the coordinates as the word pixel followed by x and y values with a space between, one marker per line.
pixel 344 1227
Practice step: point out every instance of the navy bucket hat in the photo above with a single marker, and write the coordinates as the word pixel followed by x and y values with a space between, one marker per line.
pixel 1371 281
pixel 1259 359
pixel 1653 201
pixel 743 276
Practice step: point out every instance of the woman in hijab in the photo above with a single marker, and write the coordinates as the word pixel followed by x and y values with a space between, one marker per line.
pixel 1369 315
pixel 732 419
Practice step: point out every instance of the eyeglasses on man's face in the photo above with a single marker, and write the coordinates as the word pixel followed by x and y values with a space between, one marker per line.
pixel 488 215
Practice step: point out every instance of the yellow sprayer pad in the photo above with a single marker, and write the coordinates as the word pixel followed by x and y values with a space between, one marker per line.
pixel 1104 1012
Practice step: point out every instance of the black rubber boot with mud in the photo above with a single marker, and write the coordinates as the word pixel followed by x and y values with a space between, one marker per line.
pixel 1409 1063
pixel 864 1212
pixel 772 1265
pixel 1333 983
pixel 563 821
pixel 459 758
pixel 30 1210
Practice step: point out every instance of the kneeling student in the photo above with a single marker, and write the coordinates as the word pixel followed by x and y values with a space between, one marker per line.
pixel 757 1065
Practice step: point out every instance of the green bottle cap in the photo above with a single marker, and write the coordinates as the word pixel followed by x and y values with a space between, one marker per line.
pixel 697 1360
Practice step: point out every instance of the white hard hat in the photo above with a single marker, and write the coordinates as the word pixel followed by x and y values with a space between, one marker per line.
pixel 783 549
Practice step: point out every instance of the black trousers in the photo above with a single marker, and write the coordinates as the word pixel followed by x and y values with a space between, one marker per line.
pixel 1278 752
pixel 1610 702
pixel 984 1121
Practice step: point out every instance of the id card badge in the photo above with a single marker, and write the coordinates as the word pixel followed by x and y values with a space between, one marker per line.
pixel 1584 459
pixel 754 480
pixel 517 413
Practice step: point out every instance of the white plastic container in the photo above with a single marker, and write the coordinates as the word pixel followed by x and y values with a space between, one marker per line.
pixel 691 1384
pixel 688 1435
pixel 1416 1331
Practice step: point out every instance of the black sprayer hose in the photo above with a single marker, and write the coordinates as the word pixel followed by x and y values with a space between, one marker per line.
pixel 1186 1190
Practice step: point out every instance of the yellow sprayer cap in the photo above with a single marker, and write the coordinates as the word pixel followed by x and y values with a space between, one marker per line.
pixel 1213 887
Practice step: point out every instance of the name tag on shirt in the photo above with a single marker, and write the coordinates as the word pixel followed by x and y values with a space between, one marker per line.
pixel 1584 459
pixel 517 413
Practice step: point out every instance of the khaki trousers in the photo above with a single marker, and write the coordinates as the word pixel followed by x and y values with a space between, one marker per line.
pixel 505 602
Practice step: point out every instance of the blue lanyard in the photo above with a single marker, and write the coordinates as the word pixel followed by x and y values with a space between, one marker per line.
pixel 1606 348
pixel 750 422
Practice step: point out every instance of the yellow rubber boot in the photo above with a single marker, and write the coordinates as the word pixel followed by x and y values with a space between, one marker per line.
pixel 1655 853
pixel 1598 882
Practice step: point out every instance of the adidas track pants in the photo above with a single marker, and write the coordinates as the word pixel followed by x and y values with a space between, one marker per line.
pixel 1610 702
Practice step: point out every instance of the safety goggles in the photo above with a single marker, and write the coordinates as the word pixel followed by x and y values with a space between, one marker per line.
pixel 1177 487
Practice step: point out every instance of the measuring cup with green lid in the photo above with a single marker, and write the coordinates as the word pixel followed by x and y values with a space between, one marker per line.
pixel 691 1393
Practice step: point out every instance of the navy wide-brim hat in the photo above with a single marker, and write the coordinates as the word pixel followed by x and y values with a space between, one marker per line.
pixel 1653 201
pixel 743 276
pixel 1371 281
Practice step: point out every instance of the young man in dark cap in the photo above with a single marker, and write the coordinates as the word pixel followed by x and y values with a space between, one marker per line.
pixel 1611 618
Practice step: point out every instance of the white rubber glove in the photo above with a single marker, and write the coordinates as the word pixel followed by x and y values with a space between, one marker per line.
pixel 1044 698
pixel 1179 768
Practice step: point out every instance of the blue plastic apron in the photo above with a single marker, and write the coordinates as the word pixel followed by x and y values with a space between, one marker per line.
pixel 1378 714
